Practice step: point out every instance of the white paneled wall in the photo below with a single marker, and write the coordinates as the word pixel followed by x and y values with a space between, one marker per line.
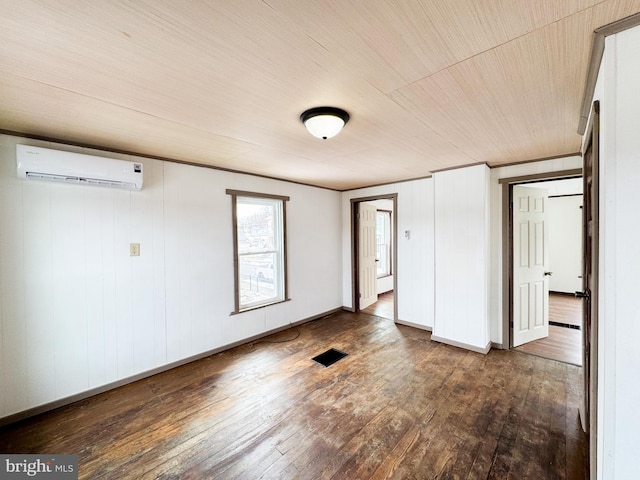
pixel 78 313
pixel 462 257
pixel 619 302
pixel 416 253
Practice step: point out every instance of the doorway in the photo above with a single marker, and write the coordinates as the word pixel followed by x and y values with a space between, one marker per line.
pixel 559 310
pixel 374 280
pixel 590 285
pixel 537 310
pixel 383 307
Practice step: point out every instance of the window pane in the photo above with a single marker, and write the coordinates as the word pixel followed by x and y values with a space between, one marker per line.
pixel 257 278
pixel 383 260
pixel 260 251
pixel 256 231
pixel 383 243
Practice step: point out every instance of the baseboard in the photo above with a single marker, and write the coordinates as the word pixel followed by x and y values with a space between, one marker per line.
pixel 466 346
pixel 497 346
pixel 134 378
pixel 414 325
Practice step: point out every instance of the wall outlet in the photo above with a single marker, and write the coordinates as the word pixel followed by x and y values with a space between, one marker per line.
pixel 134 249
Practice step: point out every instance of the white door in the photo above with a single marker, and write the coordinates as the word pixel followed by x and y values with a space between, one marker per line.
pixel 530 264
pixel 368 275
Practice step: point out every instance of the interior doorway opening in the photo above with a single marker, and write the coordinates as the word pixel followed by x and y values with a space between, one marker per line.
pixel 560 311
pixel 374 255
pixel 383 307
pixel 560 272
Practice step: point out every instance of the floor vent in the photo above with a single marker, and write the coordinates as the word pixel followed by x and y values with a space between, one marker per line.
pixel 565 325
pixel 329 357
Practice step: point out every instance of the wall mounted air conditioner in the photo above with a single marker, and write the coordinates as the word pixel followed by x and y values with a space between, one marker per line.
pixel 36 163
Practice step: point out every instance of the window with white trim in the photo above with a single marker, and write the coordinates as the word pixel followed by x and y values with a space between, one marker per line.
pixel 259 249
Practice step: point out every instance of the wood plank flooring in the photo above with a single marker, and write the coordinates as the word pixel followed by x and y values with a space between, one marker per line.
pixel 565 309
pixel 562 344
pixel 383 306
pixel 399 406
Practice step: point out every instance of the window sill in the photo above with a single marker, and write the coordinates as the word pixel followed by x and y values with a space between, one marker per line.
pixel 257 307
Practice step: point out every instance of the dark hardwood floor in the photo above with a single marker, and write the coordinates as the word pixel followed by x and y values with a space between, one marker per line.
pixel 399 406
pixel 563 344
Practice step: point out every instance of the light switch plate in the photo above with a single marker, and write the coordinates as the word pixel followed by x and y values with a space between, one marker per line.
pixel 134 249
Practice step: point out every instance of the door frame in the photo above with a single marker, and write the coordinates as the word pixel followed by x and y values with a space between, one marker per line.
pixel 507 242
pixel 355 286
pixel 590 356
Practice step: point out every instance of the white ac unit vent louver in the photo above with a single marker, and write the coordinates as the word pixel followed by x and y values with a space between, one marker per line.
pixel 36 163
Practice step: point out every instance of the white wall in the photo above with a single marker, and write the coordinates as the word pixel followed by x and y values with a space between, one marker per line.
pixel 619 302
pixel 565 243
pixel 462 257
pixel 414 295
pixel 77 312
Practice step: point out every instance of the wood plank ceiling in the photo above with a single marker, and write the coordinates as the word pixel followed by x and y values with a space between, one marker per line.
pixel 429 84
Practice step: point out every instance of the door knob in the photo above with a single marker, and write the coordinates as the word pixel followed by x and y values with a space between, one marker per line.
pixel 548 274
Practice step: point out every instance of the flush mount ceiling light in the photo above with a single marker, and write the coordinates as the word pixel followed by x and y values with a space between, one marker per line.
pixel 324 122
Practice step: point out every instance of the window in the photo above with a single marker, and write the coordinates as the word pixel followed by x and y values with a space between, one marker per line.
pixel 383 243
pixel 259 249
